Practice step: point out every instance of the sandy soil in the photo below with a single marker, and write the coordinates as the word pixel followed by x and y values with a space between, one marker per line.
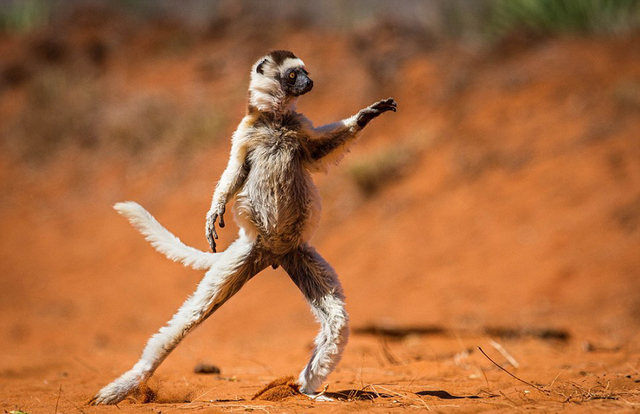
pixel 513 226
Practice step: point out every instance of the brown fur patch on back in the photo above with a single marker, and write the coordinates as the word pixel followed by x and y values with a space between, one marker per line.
pixel 278 390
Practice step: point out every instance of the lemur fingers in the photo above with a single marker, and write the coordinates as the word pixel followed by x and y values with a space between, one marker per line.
pixel 384 105
pixel 210 229
pixel 372 111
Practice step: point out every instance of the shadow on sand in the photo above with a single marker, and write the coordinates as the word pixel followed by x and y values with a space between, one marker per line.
pixel 362 395
pixel 444 395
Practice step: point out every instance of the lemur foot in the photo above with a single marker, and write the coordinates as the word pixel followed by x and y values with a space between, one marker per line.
pixel 367 114
pixel 117 391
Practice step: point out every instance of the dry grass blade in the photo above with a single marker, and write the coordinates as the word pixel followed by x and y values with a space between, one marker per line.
pixel 323 392
pixel 417 399
pixel 511 402
pixel 58 399
pixel 386 351
pixel 195 401
pixel 513 376
pixel 504 353
pixel 373 389
pixel 554 380
pixel 580 394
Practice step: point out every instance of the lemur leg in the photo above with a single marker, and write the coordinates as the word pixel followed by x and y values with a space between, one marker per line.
pixel 237 264
pixel 321 287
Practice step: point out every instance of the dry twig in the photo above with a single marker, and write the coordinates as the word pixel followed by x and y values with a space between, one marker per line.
pixel 58 399
pixel 423 404
pixel 513 376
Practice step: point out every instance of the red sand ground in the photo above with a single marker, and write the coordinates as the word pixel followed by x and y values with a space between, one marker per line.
pixel 517 218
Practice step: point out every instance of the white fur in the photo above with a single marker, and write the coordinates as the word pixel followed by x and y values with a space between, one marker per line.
pixel 163 240
pixel 290 63
pixel 261 97
pixel 229 182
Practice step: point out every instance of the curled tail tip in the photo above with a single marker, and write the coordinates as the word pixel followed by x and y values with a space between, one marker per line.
pixel 125 207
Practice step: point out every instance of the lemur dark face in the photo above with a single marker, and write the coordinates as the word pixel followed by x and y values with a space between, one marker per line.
pixel 276 79
pixel 296 81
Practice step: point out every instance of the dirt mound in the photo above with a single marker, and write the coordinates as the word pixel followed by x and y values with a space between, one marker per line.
pixel 279 389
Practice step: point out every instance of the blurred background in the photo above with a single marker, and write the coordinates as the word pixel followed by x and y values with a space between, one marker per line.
pixel 504 193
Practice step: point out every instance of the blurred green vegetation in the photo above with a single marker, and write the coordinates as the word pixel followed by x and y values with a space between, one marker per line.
pixel 66 83
pixel 24 15
pixel 551 17
pixel 451 18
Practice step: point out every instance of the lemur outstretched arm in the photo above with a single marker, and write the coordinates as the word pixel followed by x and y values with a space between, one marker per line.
pixel 230 183
pixel 328 143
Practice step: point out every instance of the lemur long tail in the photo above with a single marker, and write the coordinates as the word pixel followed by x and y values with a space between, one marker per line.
pixel 162 239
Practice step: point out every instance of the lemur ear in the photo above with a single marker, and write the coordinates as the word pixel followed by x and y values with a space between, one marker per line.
pixel 259 67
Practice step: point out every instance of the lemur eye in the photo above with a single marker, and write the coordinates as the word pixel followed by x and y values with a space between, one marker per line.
pixel 292 75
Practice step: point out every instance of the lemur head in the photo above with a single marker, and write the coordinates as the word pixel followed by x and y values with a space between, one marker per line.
pixel 277 80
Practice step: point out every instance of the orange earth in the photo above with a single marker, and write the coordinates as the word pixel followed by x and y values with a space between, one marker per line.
pixel 509 221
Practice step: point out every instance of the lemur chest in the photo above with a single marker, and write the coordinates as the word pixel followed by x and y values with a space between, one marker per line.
pixel 278 186
pixel 277 150
pixel 278 199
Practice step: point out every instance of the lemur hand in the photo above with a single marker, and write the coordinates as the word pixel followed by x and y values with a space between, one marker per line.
pixel 367 114
pixel 210 230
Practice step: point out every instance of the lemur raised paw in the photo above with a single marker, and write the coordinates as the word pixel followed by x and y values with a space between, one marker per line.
pixel 372 111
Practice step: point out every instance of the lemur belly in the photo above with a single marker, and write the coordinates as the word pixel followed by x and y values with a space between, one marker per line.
pixel 278 201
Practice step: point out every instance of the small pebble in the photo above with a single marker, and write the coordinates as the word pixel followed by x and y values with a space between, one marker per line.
pixel 206 369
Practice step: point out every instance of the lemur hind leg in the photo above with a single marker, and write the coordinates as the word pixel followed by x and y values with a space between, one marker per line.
pixel 321 287
pixel 237 264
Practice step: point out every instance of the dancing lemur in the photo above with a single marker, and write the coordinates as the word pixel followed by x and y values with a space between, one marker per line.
pixel 277 208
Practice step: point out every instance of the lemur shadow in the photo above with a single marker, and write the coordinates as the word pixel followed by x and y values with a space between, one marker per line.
pixel 356 395
pixel 444 395
pixel 362 395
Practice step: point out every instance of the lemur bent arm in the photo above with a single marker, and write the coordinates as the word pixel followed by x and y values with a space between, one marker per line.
pixel 230 182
